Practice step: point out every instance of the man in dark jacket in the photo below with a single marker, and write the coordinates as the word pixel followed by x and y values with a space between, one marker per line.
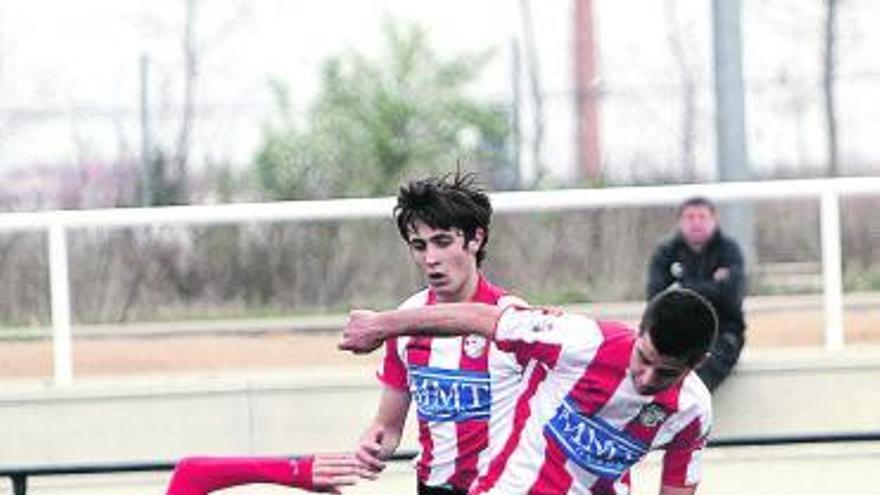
pixel 700 257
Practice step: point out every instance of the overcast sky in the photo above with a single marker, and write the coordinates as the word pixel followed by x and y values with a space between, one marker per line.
pixel 69 72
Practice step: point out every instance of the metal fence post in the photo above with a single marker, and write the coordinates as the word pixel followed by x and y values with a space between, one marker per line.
pixel 832 271
pixel 19 484
pixel 60 293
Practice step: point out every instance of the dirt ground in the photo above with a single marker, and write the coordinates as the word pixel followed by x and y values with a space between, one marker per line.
pixel 278 351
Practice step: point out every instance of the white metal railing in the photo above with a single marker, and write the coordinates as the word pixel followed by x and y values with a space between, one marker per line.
pixel 56 223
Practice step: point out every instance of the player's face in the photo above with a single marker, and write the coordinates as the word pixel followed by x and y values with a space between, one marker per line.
pixel 652 372
pixel 448 263
pixel 697 224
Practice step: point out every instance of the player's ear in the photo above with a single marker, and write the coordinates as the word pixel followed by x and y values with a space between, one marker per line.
pixel 477 240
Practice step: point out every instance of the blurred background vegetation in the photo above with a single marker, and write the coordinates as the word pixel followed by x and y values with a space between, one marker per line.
pixel 378 118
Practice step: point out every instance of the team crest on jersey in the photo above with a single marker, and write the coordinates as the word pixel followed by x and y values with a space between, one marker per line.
pixel 474 346
pixel 652 415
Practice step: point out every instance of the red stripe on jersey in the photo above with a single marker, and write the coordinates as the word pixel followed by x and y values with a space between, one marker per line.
pixel 393 372
pixel 606 370
pixel 676 460
pixel 486 292
pixel 520 415
pixel 603 486
pixel 553 478
pixel 473 437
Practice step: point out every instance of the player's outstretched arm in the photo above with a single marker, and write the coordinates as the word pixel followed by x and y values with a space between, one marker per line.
pixel 366 330
pixel 331 472
pixel 319 473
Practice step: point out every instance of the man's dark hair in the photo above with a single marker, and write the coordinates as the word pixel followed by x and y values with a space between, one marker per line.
pixel 681 323
pixel 696 201
pixel 452 201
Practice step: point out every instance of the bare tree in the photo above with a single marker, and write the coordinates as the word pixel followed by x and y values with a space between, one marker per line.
pixel 534 73
pixel 179 173
pixel 171 166
pixel 678 37
pixel 829 61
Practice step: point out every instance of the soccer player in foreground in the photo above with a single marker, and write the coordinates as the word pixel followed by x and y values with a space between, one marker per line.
pixel 318 473
pixel 596 396
pixel 463 386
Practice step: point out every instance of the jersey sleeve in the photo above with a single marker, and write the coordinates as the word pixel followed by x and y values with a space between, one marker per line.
pixel 203 475
pixel 682 459
pixel 558 341
pixel 392 371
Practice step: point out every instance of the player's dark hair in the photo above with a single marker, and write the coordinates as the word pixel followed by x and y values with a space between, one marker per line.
pixel 697 201
pixel 681 323
pixel 452 201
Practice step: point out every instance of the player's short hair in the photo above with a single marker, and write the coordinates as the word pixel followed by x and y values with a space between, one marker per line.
pixel 697 201
pixel 681 323
pixel 452 201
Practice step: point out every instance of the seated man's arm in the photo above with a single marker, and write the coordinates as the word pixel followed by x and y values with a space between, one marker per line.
pixel 727 286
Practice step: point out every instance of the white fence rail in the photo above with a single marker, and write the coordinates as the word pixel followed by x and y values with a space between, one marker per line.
pixel 57 223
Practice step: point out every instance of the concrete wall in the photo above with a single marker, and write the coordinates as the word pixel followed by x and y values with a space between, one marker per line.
pixel 799 391
pixel 145 420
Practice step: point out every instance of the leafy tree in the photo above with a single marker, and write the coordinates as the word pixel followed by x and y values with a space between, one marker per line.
pixel 377 119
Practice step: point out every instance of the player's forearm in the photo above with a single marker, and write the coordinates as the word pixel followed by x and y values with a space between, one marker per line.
pixel 442 320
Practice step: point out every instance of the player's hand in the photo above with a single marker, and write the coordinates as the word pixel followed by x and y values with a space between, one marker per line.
pixel 331 472
pixel 362 334
pixel 369 455
pixel 721 273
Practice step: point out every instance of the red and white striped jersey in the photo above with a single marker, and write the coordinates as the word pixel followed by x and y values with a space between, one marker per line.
pixel 464 389
pixel 579 424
